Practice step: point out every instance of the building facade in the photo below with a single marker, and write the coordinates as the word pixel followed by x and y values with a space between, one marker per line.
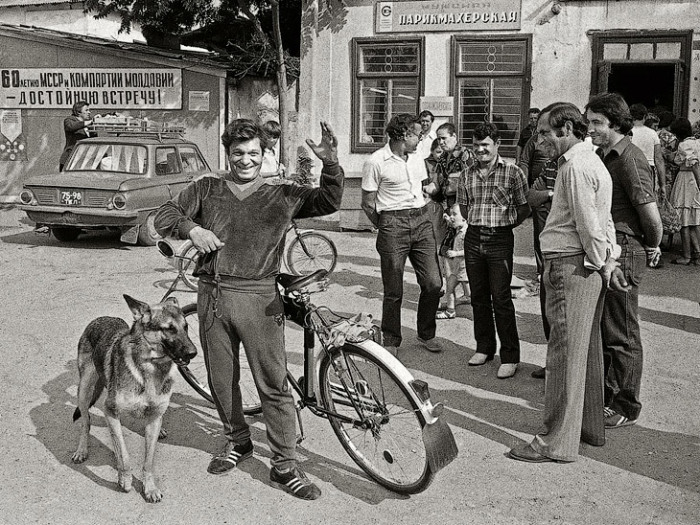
pixel 474 60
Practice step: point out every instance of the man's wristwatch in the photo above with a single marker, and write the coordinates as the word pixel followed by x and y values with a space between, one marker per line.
pixel 550 194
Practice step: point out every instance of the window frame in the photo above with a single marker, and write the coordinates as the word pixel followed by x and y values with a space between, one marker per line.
pixel 526 76
pixel 357 44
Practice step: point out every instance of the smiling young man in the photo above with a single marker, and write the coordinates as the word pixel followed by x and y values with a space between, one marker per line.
pixel 239 222
pixel 578 244
pixel 492 195
pixel 638 230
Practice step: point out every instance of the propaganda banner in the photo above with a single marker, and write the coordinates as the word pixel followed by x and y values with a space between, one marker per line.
pixel 115 89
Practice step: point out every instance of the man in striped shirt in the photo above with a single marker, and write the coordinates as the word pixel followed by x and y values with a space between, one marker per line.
pixel 492 195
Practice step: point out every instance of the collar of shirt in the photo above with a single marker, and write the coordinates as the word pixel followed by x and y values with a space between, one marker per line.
pixel 572 152
pixel 389 154
pixel 618 148
pixel 498 164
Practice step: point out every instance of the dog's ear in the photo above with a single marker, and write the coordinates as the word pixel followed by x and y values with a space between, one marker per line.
pixel 173 301
pixel 141 310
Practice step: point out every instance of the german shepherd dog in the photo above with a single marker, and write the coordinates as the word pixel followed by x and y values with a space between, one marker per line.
pixel 137 366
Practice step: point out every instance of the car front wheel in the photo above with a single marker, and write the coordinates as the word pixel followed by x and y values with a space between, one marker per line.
pixel 148 236
pixel 65 234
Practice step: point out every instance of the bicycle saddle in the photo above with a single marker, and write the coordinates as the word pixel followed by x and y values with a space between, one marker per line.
pixel 294 283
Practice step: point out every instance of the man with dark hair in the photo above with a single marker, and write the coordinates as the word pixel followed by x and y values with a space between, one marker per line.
pixel 648 141
pixel 454 161
pixel 578 243
pixel 527 132
pixel 238 222
pixel 492 195
pixel 638 230
pixel 75 129
pixel 271 155
pixel 426 119
pixel 392 198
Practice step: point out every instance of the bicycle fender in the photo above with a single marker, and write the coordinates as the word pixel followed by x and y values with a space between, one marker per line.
pixel 396 366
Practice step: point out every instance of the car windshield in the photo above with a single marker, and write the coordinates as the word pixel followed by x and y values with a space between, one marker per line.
pixel 118 158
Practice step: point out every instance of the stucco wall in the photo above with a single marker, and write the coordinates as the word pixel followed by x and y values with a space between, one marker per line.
pixel 561 54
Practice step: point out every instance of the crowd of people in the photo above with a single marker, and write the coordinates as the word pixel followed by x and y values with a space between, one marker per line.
pixel 593 182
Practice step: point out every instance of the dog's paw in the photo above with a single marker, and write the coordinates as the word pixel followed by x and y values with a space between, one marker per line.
pixel 79 456
pixel 125 480
pixel 162 434
pixel 153 494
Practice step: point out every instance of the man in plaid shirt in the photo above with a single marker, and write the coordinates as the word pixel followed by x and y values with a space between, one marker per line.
pixel 492 195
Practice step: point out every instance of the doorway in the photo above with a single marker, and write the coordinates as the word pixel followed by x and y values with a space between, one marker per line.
pixel 648 84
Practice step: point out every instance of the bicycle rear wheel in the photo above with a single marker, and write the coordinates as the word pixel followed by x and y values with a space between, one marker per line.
pixel 186 264
pixel 388 443
pixel 195 373
pixel 311 251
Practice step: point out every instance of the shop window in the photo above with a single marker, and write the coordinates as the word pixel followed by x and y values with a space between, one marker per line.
pixel 492 85
pixel 387 81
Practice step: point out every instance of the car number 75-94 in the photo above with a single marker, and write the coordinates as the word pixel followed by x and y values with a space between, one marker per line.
pixel 71 198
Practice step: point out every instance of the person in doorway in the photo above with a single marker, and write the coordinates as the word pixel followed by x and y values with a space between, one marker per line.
pixel 75 129
pixel 648 141
pixel 578 243
pixel 527 132
pixel 492 195
pixel 638 230
pixel 238 222
pixel 393 200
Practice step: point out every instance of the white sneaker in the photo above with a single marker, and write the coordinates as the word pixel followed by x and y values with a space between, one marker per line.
pixel 507 370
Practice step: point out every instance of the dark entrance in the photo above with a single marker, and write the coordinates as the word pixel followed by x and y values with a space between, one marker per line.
pixel 648 84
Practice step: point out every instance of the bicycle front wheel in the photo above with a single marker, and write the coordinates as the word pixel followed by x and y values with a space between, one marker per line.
pixel 195 373
pixel 386 439
pixel 311 251
pixel 186 264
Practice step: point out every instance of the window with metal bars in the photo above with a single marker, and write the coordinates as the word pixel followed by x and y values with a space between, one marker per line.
pixel 492 84
pixel 387 81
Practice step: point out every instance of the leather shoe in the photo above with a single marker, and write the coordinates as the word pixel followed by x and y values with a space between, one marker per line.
pixel 529 455
pixel 507 370
pixel 539 373
pixel 479 359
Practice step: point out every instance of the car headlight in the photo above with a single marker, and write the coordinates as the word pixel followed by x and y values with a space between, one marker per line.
pixel 118 202
pixel 27 197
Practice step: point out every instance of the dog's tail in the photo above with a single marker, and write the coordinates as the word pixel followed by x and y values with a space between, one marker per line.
pixel 95 396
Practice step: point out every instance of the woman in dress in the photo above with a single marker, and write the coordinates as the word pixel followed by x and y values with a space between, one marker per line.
pixel 685 195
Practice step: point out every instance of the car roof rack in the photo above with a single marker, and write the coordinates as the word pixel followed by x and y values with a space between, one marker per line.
pixel 137 129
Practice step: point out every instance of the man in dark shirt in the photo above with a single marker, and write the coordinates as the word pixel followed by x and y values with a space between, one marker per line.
pixel 638 230
pixel 239 222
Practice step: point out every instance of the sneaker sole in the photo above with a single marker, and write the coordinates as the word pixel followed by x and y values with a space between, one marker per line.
pixel 627 423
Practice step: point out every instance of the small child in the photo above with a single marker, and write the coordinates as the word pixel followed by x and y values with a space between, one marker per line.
pixel 455 266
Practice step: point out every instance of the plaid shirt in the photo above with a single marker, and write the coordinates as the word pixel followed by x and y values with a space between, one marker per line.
pixel 492 200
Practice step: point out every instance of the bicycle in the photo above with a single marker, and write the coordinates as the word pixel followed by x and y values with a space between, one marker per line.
pixel 382 416
pixel 307 252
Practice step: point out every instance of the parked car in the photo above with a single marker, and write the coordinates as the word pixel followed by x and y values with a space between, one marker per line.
pixel 115 181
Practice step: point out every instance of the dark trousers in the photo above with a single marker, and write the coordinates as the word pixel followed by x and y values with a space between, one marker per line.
pixel 408 234
pixel 622 342
pixel 489 260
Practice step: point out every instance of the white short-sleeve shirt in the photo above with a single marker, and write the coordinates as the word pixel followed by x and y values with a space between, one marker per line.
pixel 398 183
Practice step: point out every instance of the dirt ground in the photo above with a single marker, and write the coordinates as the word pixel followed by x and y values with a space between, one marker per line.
pixel 646 474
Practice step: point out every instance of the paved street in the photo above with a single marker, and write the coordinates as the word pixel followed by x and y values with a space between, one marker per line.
pixel 646 474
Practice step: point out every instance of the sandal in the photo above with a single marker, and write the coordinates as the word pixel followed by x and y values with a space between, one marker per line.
pixel 446 314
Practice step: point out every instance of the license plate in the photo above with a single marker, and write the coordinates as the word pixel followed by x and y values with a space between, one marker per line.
pixel 72 198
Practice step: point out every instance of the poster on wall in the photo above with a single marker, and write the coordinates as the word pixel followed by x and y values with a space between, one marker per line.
pixel 198 101
pixel 113 89
pixel 13 143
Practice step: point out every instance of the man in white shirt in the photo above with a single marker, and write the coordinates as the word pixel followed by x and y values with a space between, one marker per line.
pixel 580 250
pixel 392 198
pixel 426 119
pixel 648 141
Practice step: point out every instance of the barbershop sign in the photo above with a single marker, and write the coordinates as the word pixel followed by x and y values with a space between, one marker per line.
pixel 101 88
pixel 447 15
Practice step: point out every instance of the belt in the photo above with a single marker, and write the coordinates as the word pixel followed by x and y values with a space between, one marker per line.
pixel 410 212
pixel 561 255
pixel 490 230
